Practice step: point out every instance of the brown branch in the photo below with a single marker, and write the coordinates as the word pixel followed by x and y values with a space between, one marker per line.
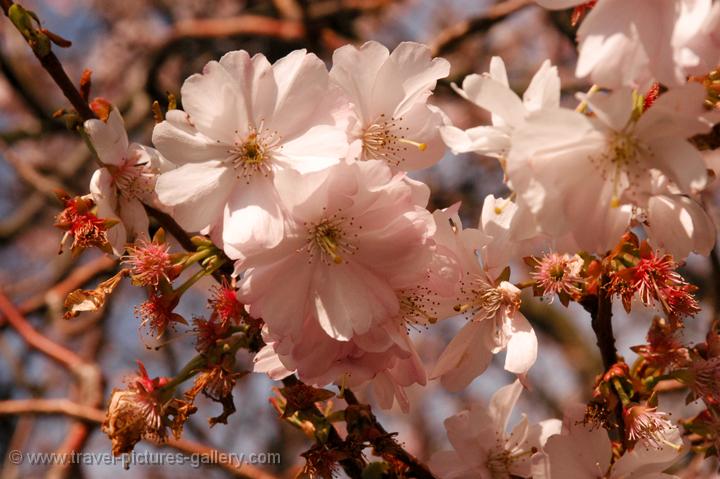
pixel 50 348
pixel 256 25
pixel 60 406
pixel 383 443
pixel 65 407
pixel 52 65
pixel 454 34
pixel 600 309
pixel 224 460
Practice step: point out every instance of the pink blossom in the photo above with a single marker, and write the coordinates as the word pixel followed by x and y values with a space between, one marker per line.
pixel 391 120
pixel 384 361
pixel 483 449
pixel 492 92
pixel 633 42
pixel 244 121
pixel 589 176
pixel 126 180
pixel 495 323
pixel 582 452
pixel 356 236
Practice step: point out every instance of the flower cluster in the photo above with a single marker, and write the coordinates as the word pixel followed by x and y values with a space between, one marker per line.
pixel 299 175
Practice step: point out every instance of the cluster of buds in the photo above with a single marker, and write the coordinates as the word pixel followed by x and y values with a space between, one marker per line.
pixel 145 410
pixel 82 225
pixel 640 273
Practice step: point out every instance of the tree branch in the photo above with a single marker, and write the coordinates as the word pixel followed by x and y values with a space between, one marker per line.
pixel 454 34
pixel 68 408
pixel 52 65
pixel 51 349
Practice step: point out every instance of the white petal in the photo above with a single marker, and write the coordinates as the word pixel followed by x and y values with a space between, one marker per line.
pixel 109 139
pixel 494 97
pixel 522 346
pixel 198 193
pixel 680 226
pixel 180 142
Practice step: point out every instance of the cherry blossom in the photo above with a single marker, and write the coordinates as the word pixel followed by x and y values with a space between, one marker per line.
pixel 495 323
pixel 125 182
pixel 391 120
pixel 356 237
pixel 492 92
pixel 244 120
pixel 385 362
pixel 483 449
pixel 588 176
pixel 583 452
pixel 635 42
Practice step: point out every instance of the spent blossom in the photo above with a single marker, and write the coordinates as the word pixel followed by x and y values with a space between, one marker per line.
pixel 655 280
pixel 559 274
pixel 136 413
pixel 80 223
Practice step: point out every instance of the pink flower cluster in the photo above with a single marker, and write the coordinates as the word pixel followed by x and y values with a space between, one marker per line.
pixel 300 175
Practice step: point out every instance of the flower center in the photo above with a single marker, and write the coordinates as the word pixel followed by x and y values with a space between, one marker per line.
pixel 134 178
pixel 483 301
pixel 253 154
pixel 620 163
pixel 500 462
pixel 384 140
pixel 328 240
pixel 417 306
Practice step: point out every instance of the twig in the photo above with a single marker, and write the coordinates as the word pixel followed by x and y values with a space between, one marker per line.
pixel 53 350
pixel 60 406
pixel 384 443
pixel 454 34
pixel 93 415
pixel 256 25
pixel 600 309
pixel 52 65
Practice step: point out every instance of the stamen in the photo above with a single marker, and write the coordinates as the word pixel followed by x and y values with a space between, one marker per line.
pixel 384 140
pixel 329 239
pixel 253 154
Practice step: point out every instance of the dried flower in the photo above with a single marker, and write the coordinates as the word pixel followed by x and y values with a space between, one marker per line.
pixel 135 413
pixel 558 274
pixel 225 304
pixel 655 279
pixel 86 229
pixel 81 300
pixel 157 313
pixel 150 262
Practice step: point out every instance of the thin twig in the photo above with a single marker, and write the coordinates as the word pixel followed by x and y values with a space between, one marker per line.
pixel 68 408
pixel 50 348
pixel 52 65
pixel 454 34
